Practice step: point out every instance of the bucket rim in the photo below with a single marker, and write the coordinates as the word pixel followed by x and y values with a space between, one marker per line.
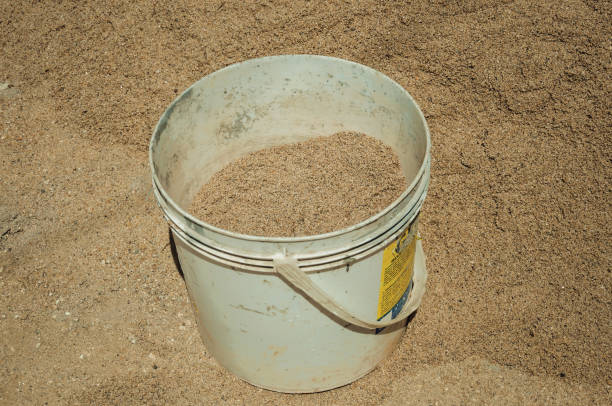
pixel 277 239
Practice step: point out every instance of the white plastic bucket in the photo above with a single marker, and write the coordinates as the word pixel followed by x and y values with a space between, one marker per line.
pixel 301 314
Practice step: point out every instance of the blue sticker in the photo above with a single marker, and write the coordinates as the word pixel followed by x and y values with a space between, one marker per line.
pixel 398 306
pixel 400 303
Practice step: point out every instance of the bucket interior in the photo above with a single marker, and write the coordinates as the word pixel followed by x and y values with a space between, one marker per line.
pixel 278 100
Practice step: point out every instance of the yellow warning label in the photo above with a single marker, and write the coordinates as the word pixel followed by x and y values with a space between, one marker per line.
pixel 397 267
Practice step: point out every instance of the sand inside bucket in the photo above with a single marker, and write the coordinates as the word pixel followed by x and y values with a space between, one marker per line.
pixel 317 186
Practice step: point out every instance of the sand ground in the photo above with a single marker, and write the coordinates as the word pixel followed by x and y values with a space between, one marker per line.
pixel 516 227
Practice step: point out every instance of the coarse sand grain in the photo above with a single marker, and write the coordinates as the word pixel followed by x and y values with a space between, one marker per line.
pixel 317 186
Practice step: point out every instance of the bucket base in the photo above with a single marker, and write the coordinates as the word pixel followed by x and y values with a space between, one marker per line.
pixel 316 389
pixel 375 345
